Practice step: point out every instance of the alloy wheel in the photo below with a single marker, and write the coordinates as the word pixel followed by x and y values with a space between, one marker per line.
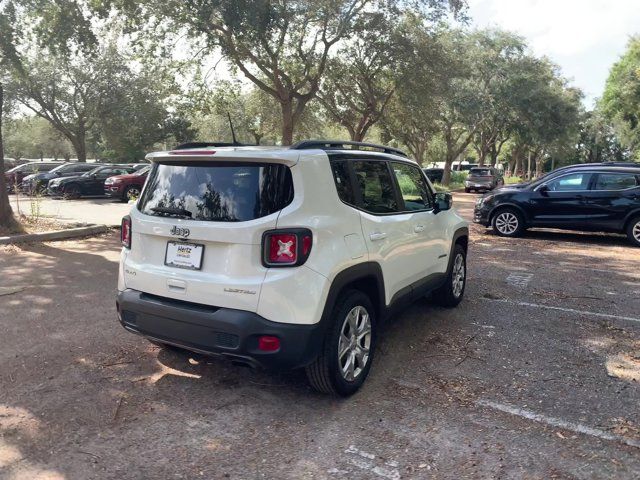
pixel 458 275
pixel 636 231
pixel 506 223
pixel 133 193
pixel 354 343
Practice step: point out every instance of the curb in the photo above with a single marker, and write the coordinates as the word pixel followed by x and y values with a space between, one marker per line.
pixel 57 235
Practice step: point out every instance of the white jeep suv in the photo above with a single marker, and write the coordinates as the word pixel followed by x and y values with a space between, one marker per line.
pixel 286 257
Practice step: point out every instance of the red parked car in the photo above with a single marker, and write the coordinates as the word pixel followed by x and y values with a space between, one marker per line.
pixel 126 187
pixel 14 176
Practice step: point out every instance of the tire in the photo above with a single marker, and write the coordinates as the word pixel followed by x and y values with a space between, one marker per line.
pixel 330 372
pixel 72 191
pixel 508 222
pixel 467 190
pixel 130 193
pixel 633 231
pixel 450 294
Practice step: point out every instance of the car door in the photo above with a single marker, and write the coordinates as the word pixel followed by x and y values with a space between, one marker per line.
pixel 387 229
pixel 612 196
pixel 97 185
pixel 418 200
pixel 562 201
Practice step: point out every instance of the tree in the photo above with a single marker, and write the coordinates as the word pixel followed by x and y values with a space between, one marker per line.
pixel 621 99
pixel 597 141
pixel 359 82
pixel 282 47
pixel 421 71
pixel 131 98
pixel 547 115
pixel 34 137
pixel 7 54
pixel 496 62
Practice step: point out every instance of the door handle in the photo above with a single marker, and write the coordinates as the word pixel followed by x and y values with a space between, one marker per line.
pixel 377 236
pixel 418 228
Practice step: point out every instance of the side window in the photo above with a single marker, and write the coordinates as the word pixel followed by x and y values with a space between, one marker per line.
pixel 615 181
pixel 413 187
pixel 570 183
pixel 376 187
pixel 340 170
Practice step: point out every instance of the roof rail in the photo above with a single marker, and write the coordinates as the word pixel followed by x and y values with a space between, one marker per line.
pixel 345 145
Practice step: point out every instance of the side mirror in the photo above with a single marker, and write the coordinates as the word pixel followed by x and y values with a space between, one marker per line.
pixel 543 189
pixel 443 201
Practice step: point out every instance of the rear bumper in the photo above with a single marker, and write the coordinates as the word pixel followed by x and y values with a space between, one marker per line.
pixel 232 334
pixel 478 185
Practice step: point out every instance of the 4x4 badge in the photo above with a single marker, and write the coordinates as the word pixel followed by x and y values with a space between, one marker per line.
pixel 180 232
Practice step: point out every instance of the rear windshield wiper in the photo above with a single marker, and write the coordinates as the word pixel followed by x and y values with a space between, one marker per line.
pixel 178 212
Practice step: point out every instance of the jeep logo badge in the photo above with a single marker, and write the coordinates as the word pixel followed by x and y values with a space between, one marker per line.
pixel 180 232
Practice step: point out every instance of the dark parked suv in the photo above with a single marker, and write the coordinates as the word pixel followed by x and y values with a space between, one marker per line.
pixel 599 197
pixel 483 178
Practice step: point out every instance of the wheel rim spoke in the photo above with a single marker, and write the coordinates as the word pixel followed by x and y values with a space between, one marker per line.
pixel 507 223
pixel 458 276
pixel 354 343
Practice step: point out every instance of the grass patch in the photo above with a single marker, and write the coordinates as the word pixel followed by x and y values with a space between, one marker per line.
pixel 513 180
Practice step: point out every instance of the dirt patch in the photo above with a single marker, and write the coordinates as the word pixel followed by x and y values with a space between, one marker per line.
pixel 30 224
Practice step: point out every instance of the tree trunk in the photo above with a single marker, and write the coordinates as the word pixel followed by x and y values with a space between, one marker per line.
pixel 6 214
pixel 539 164
pixel 448 162
pixel 482 156
pixel 518 167
pixel 358 135
pixel 529 165
pixel 287 122
pixel 80 148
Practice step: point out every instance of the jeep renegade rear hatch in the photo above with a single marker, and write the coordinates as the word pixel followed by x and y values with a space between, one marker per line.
pixel 216 191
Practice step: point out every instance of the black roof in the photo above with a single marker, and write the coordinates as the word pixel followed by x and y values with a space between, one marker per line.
pixel 599 165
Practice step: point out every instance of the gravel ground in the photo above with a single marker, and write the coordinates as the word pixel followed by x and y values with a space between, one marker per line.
pixel 535 375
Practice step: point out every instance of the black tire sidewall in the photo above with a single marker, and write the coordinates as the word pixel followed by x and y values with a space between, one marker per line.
pixel 517 214
pixel 634 221
pixel 444 296
pixel 348 301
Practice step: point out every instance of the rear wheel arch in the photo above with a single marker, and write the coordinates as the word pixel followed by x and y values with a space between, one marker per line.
pixel 365 277
pixel 630 217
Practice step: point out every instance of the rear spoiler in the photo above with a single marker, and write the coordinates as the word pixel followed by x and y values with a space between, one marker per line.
pixel 227 154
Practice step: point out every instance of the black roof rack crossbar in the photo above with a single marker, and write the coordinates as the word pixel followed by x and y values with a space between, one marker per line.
pixel 345 145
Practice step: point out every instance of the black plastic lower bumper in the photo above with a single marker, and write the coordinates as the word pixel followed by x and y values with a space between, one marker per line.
pixel 481 216
pixel 226 332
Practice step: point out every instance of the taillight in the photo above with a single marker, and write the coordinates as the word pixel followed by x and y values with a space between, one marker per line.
pixel 286 248
pixel 125 231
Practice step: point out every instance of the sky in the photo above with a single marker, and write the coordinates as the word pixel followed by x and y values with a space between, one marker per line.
pixel 584 37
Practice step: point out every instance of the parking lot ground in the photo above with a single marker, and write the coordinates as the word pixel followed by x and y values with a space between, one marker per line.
pixel 535 375
pixel 92 210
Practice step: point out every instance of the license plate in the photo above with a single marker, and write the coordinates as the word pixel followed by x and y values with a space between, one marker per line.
pixel 184 255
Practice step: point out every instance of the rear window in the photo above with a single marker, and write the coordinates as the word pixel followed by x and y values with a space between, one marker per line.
pixel 480 172
pixel 218 192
